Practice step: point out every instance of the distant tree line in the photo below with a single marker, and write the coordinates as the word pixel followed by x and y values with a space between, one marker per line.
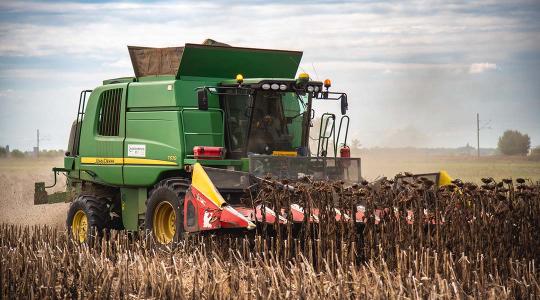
pixel 16 153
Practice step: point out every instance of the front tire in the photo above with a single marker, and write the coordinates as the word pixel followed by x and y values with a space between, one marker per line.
pixel 165 210
pixel 86 219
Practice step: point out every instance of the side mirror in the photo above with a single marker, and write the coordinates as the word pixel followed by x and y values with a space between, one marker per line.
pixel 344 104
pixel 202 96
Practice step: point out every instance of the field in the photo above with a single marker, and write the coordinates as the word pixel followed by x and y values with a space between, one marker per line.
pixel 466 168
pixel 17 177
pixel 487 247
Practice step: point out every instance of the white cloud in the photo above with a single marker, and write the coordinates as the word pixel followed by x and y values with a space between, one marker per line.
pixel 389 67
pixel 398 61
pixel 364 30
pixel 478 68
pixel 123 63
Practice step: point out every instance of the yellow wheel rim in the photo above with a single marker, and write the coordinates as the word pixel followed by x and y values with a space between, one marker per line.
pixel 79 226
pixel 164 223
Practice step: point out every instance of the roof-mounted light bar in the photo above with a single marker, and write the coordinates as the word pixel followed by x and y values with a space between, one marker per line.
pixel 301 85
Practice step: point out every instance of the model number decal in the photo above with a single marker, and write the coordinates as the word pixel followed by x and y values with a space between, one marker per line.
pixel 171 157
pixel 136 150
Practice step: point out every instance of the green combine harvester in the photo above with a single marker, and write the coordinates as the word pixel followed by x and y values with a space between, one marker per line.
pixel 173 149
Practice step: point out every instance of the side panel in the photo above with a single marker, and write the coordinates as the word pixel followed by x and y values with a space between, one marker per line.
pixel 156 95
pixel 202 128
pixel 102 154
pixel 152 146
pixel 191 213
pixel 151 94
pixel 162 117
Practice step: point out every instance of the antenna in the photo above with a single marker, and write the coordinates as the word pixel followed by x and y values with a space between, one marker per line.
pixel 315 70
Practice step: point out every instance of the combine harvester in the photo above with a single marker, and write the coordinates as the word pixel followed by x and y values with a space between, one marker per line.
pixel 173 149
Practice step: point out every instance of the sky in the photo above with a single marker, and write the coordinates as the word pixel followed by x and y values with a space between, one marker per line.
pixel 416 72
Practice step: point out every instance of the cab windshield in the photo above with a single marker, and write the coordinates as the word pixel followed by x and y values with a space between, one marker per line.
pixel 256 124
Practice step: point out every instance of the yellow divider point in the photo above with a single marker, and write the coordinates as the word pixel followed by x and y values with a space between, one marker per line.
pixel 444 178
pixel 203 184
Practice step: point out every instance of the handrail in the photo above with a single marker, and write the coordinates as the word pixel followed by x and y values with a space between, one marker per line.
pixel 78 125
pixel 339 133
pixel 324 136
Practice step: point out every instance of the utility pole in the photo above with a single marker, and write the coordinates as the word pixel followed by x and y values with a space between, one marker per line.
pixel 486 125
pixel 36 149
pixel 478 134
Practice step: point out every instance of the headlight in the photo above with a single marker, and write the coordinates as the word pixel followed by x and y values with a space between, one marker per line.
pixel 316 89
pixel 282 87
pixel 310 88
pixel 274 86
pixel 266 86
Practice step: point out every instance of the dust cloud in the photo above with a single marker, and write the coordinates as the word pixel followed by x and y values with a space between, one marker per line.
pixel 17 177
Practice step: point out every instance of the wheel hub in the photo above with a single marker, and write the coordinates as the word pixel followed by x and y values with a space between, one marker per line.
pixel 79 226
pixel 164 223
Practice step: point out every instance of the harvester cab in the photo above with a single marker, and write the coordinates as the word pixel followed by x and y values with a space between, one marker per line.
pixel 175 148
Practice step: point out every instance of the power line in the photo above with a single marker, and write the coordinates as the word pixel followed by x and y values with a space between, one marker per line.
pixel 486 125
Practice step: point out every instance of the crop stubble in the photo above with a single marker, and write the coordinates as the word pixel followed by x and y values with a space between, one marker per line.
pixel 479 241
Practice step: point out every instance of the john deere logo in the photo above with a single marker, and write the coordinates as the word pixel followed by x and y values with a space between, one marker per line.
pixel 104 161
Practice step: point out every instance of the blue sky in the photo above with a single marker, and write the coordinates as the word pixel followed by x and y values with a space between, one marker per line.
pixel 416 72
